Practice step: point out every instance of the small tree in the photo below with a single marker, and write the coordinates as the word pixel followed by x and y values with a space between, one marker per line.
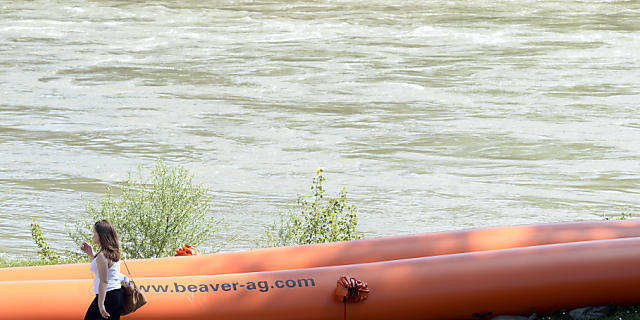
pixel 154 220
pixel 318 220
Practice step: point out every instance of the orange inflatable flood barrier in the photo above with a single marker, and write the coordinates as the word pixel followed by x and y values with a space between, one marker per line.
pixel 538 279
pixel 349 252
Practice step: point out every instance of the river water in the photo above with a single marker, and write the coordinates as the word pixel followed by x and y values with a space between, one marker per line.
pixel 435 115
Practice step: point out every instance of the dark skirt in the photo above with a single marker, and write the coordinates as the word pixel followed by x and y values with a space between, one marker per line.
pixel 112 303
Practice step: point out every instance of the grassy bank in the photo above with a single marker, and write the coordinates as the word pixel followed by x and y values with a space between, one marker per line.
pixel 622 313
pixel 7 263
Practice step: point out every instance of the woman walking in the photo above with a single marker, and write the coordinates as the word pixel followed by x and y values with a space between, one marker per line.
pixel 106 267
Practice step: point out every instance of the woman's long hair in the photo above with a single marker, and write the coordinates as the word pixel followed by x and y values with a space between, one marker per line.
pixel 109 242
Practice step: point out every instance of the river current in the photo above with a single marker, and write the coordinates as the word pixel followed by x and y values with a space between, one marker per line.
pixel 434 115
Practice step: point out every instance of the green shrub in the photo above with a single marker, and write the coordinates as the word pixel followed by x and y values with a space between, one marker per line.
pixel 154 220
pixel 622 216
pixel 316 220
pixel 45 252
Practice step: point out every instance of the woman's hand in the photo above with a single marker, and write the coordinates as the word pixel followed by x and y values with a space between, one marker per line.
pixel 104 313
pixel 87 248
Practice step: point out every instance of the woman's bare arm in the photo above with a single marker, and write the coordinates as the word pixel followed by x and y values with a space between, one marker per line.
pixel 103 271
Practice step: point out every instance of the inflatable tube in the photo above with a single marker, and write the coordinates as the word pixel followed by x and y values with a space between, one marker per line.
pixel 537 279
pixel 349 252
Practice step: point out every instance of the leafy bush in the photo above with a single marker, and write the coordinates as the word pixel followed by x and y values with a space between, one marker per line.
pixel 154 220
pixel 45 252
pixel 622 216
pixel 317 220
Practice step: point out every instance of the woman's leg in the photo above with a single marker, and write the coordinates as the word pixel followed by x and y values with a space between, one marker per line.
pixel 93 313
pixel 113 303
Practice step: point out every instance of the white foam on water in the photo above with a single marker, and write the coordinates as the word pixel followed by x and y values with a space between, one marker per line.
pixel 446 114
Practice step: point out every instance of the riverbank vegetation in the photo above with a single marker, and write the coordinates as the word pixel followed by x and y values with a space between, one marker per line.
pixel 155 218
pixel 617 313
pixel 315 219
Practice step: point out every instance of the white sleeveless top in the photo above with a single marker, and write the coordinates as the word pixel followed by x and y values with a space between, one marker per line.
pixel 113 274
